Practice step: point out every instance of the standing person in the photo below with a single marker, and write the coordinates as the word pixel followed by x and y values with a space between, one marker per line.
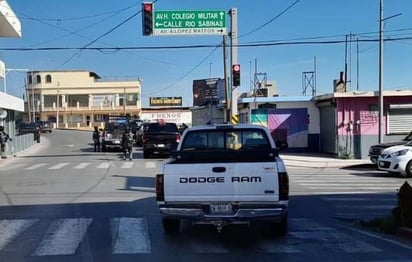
pixel 127 144
pixel 4 137
pixel 96 139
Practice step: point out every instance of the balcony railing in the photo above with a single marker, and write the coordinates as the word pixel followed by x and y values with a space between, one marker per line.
pixel 86 108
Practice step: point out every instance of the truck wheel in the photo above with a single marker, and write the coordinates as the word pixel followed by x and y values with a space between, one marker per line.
pixel 281 228
pixel 145 154
pixel 408 169
pixel 171 226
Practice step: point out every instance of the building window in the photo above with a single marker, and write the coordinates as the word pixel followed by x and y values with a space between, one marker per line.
pixel 30 79
pixel 48 79
pixel 38 79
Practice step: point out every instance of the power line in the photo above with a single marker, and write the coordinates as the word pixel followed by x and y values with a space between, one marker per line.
pixel 59 20
pixel 271 20
pixel 103 35
pixel 69 31
pixel 275 43
pixel 189 72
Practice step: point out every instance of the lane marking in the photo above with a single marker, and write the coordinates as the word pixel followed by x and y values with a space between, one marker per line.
pixel 131 235
pixel 150 164
pixel 104 165
pixel 58 166
pixel 35 166
pixel 127 165
pixel 82 165
pixel 10 229
pixel 63 237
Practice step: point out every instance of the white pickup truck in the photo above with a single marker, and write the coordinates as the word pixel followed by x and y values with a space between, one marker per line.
pixel 222 174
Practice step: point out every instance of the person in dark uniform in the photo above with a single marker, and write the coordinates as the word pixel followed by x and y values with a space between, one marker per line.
pixel 4 137
pixel 96 139
pixel 127 144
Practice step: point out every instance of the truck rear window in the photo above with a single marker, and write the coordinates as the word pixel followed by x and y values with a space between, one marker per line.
pixel 162 128
pixel 244 140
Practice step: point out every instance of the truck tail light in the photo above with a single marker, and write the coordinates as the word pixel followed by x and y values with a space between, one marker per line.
pixel 160 196
pixel 283 186
pixel 177 138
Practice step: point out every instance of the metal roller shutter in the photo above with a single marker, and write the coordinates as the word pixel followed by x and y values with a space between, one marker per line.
pixel 399 120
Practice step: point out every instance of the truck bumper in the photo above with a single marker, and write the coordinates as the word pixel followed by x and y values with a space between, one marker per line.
pixel 274 213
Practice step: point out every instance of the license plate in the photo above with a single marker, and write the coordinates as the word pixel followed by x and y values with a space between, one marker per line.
pixel 116 142
pixel 220 208
pixel 161 145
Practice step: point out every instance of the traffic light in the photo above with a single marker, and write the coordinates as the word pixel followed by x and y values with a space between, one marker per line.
pixel 236 75
pixel 147 18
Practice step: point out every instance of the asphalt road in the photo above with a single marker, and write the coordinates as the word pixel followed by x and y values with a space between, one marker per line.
pixel 60 201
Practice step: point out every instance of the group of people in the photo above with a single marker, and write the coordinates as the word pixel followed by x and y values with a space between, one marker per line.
pixel 127 142
pixel 4 137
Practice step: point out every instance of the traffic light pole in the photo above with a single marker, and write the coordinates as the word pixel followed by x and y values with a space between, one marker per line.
pixel 227 114
pixel 233 58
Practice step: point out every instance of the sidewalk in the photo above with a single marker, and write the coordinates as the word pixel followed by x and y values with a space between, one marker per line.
pixel 319 160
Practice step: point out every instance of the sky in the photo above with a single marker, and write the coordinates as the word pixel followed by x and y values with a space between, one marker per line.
pixel 288 36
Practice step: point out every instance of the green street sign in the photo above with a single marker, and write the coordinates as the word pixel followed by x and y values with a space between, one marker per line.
pixel 189 22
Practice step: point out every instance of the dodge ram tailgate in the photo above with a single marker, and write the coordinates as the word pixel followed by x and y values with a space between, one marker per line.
pixel 208 182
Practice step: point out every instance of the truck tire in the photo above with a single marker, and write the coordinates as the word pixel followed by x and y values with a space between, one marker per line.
pixel 145 154
pixel 281 228
pixel 171 226
pixel 408 169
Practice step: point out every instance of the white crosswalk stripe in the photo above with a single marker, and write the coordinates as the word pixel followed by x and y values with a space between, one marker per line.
pixel 10 229
pixel 127 165
pixel 58 166
pixel 350 199
pixel 131 235
pixel 35 166
pixel 63 237
pixel 82 165
pixel 104 165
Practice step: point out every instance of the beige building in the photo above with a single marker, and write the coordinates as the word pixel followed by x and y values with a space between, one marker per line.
pixel 77 98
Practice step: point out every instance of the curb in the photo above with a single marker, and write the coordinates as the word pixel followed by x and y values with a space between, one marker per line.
pixel 405 232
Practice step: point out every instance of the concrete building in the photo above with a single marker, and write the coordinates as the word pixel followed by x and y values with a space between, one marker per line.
pixel 349 121
pixel 10 106
pixel 79 98
pixel 293 119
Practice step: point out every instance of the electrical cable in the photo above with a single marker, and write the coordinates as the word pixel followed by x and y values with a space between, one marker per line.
pixel 275 43
pixel 187 74
pixel 271 20
pixel 59 20
pixel 103 35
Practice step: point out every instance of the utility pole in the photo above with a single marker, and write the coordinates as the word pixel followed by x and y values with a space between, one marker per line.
pixel 380 70
pixel 57 105
pixel 233 57
pixel 227 87
pixel 32 98
pixel 381 105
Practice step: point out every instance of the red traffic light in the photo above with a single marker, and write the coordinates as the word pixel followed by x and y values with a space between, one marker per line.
pixel 236 68
pixel 147 7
